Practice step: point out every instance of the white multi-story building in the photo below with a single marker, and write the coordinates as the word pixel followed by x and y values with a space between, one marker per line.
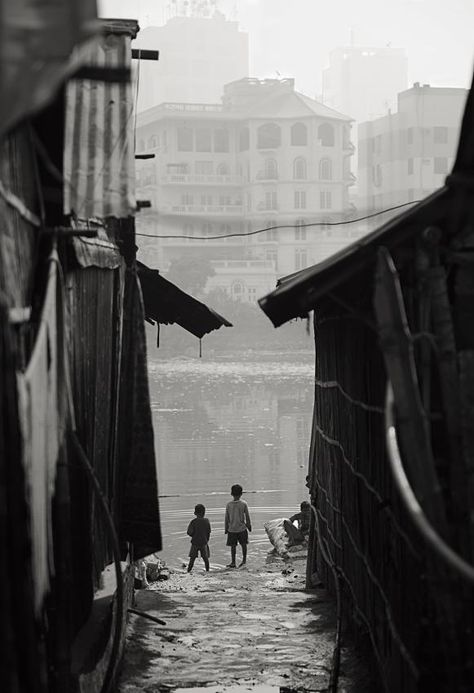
pixel 406 155
pixel 266 157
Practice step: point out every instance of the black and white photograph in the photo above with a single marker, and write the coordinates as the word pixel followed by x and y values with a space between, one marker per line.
pixel 236 346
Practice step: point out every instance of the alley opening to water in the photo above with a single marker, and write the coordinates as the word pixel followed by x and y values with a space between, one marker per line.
pixel 240 420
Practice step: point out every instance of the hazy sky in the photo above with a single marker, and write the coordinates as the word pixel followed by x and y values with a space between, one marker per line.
pixel 294 37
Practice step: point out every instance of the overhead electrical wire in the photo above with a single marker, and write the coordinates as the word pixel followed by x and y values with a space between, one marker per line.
pixel 281 226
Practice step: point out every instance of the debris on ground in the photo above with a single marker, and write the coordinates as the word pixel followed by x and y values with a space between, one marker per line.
pixel 234 627
pixel 156 569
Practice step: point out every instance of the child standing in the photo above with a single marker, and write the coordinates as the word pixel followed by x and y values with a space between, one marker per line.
pixel 237 525
pixel 199 530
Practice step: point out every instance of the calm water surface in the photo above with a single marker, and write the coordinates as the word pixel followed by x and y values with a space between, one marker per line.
pixel 224 422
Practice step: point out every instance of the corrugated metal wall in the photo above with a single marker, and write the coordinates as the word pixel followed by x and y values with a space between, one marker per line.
pixel 94 340
pixel 99 166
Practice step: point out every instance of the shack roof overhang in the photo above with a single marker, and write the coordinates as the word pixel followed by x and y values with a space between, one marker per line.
pixel 299 293
pixel 166 304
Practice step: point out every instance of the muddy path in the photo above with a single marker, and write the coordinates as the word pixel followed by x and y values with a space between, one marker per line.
pixel 254 628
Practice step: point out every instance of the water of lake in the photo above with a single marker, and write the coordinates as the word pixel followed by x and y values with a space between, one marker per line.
pixel 222 422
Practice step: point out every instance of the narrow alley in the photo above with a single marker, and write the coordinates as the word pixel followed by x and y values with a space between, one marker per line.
pixel 231 630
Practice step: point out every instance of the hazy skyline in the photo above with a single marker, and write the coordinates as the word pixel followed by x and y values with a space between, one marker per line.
pixel 294 39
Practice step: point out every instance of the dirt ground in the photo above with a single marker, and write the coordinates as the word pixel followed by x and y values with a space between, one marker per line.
pixel 254 628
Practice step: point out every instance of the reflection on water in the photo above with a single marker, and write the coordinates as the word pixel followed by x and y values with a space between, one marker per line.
pixel 219 423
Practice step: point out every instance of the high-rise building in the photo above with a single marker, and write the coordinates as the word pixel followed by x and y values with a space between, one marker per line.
pixel 406 155
pixel 266 156
pixel 364 81
pixel 198 55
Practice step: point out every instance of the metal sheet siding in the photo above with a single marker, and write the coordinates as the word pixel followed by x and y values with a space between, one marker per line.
pixel 93 313
pixel 99 152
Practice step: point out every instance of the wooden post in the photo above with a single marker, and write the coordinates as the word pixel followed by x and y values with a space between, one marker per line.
pixel 450 395
pixel 397 348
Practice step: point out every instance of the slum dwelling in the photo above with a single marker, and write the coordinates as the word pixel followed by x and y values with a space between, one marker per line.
pixel 391 462
pixel 77 461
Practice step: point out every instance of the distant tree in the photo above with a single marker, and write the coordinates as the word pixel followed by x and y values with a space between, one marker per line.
pixel 190 273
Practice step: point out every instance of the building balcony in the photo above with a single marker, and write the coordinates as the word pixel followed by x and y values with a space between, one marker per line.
pixel 349 178
pixel 348 147
pixel 242 264
pixel 263 207
pixel 192 107
pixel 203 240
pixel 266 175
pixel 199 179
pixel 219 210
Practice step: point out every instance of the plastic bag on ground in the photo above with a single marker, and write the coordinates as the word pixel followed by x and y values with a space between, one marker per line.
pixel 283 535
pixel 277 535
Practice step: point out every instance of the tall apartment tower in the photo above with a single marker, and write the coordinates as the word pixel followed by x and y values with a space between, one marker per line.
pixel 364 81
pixel 406 155
pixel 198 55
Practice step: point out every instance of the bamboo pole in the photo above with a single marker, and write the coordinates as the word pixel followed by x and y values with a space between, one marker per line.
pixel 397 347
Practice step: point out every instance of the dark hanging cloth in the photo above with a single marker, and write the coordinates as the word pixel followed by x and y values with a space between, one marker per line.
pixel 24 669
pixel 138 503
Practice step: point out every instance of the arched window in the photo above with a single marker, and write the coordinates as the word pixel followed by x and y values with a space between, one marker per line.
pixel 326 135
pixel 299 168
pixel 271 169
pixel 222 169
pixel 325 169
pixel 238 289
pixel 299 134
pixel 244 139
pixel 268 136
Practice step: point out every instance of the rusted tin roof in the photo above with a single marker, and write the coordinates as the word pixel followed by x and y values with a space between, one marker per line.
pixel 99 167
pixel 166 304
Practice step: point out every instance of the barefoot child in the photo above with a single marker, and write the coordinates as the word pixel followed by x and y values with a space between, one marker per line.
pixel 237 522
pixel 199 530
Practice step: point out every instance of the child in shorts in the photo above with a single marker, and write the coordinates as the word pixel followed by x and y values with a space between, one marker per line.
pixel 199 530
pixel 237 525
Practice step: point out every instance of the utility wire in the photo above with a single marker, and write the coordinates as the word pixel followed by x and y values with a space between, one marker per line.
pixel 281 226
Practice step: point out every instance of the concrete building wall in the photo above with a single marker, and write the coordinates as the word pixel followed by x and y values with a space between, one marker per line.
pixel 406 155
